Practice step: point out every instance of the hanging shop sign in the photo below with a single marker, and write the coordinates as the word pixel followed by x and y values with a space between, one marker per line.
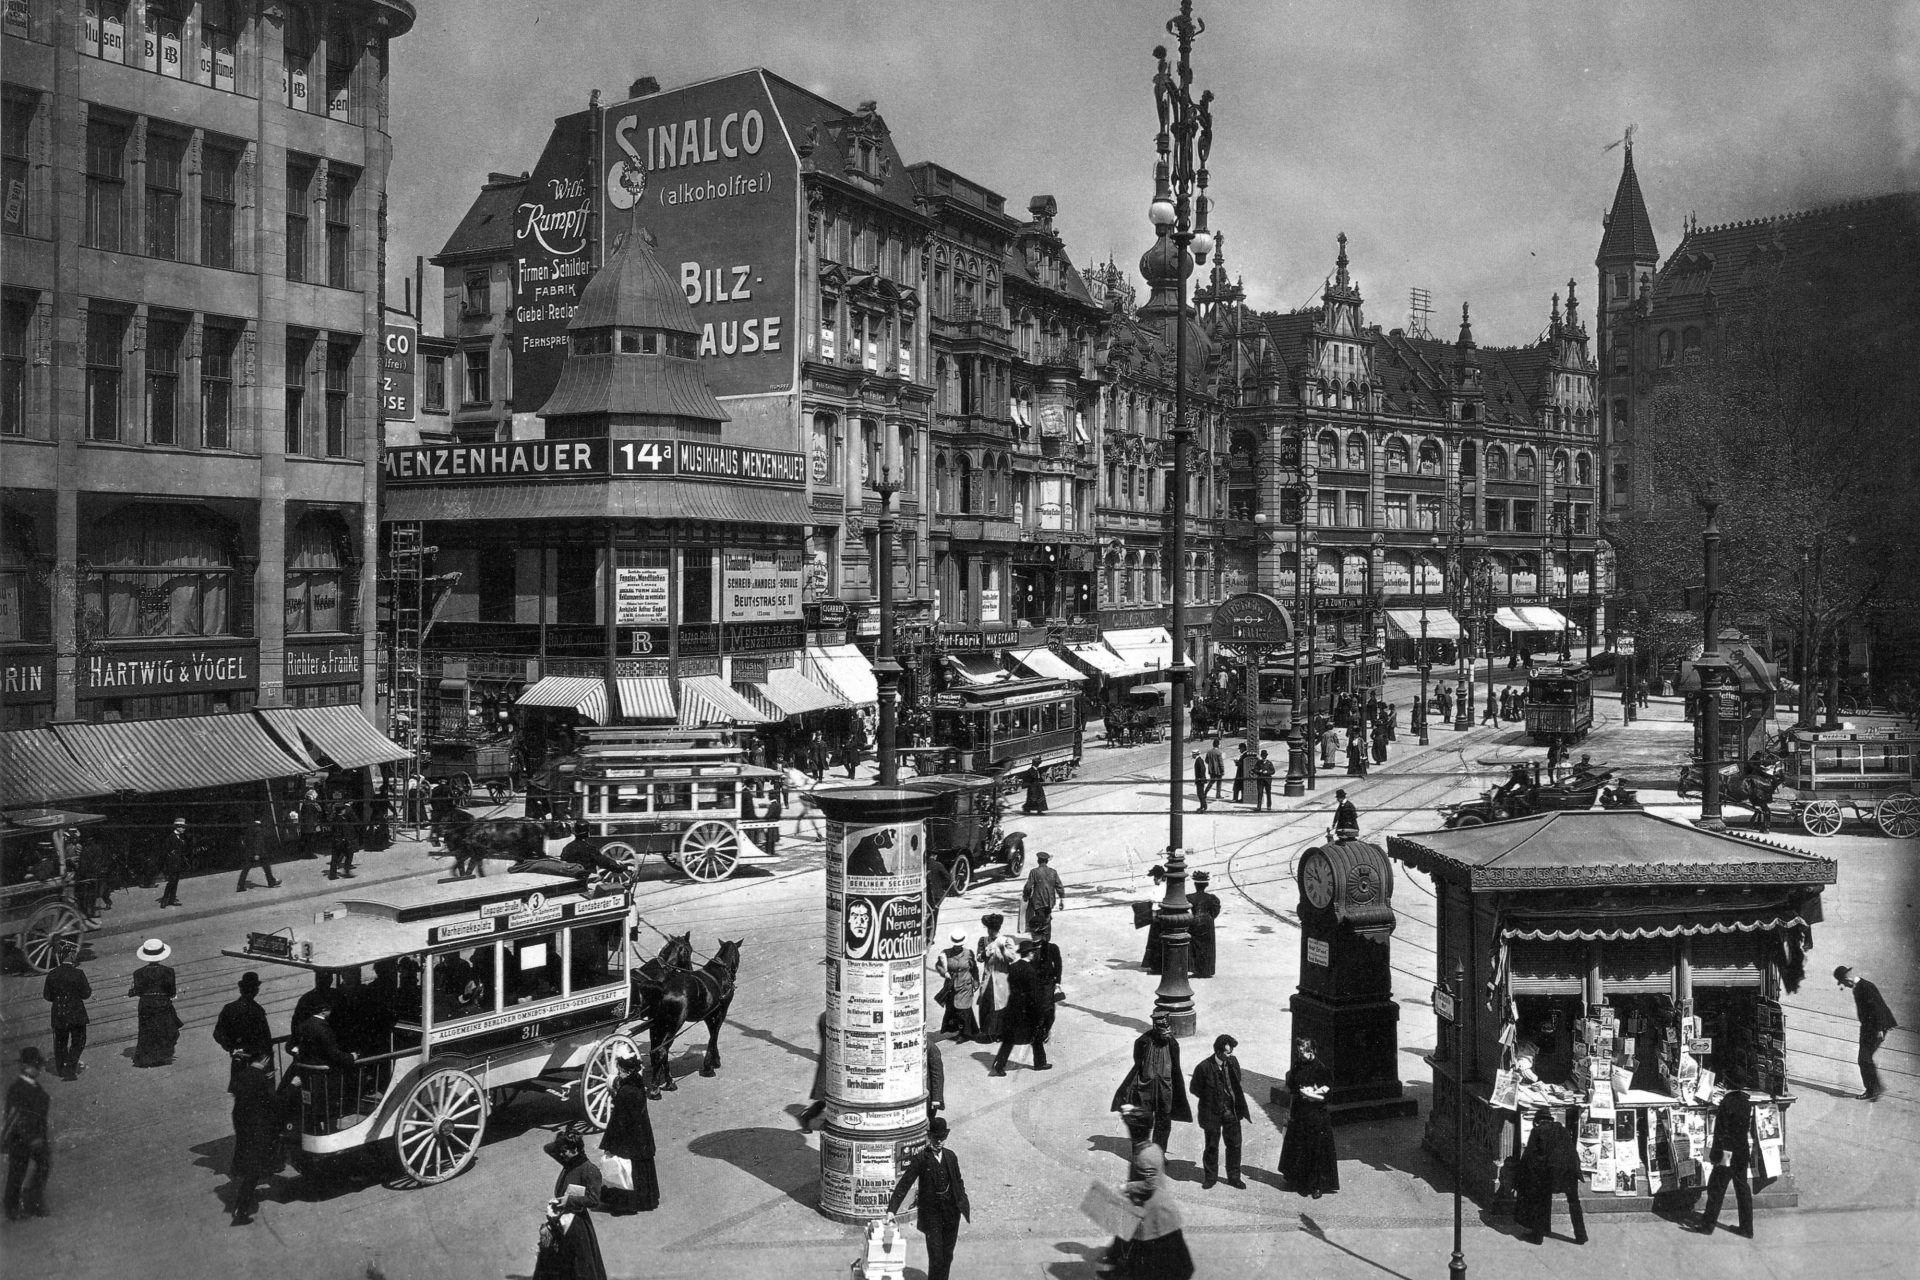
pixel 1252 619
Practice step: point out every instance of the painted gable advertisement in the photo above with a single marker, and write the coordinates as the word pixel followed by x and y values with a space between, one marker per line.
pixel 710 171
pixel 551 264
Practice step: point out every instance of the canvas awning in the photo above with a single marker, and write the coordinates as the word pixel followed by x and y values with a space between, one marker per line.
pixel 35 769
pixel 183 754
pixel 584 694
pixel 645 697
pixel 1151 648
pixel 1405 623
pixel 1047 664
pixel 338 735
pixel 976 668
pixel 1529 617
pixel 1689 919
pixel 789 693
pixel 1105 661
pixel 709 700
pixel 844 669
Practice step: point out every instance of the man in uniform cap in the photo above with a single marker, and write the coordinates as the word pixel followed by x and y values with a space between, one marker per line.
pixel 1221 1105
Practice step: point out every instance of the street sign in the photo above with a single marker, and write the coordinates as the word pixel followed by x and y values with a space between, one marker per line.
pixel 1443 1003
pixel 1252 620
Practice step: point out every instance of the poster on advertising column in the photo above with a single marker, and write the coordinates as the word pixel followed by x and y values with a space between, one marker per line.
pixel 551 264
pixel 876 985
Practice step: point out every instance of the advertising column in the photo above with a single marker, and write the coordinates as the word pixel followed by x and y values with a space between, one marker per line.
pixel 876 1116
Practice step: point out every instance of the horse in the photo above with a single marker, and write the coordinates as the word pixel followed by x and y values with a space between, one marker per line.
pixel 1754 788
pixel 473 840
pixel 650 979
pixel 686 997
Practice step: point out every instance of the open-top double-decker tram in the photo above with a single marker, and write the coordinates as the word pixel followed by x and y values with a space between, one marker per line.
pixel 452 997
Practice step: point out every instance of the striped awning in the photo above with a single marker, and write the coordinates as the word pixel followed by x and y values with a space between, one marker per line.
pixel 1405 623
pixel 584 694
pixel 184 754
pixel 793 693
pixel 36 770
pixel 337 735
pixel 1047 664
pixel 709 700
pixel 976 668
pixel 646 697
pixel 1149 648
pixel 844 669
pixel 1530 617
pixel 1103 661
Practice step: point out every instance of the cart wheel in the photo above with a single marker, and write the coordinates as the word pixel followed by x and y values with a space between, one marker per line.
pixel 709 851
pixel 1848 705
pixel 460 787
pixel 623 853
pixel 1899 815
pixel 437 1134
pixel 1821 817
pixel 961 868
pixel 50 924
pixel 1469 820
pixel 595 1090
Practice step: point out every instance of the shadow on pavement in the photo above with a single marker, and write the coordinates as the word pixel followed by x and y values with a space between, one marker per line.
pixel 1135 1025
pixel 1312 1228
pixel 781 1158
pixel 1081 1265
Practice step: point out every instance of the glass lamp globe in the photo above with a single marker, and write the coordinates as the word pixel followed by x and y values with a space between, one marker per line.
pixel 1160 213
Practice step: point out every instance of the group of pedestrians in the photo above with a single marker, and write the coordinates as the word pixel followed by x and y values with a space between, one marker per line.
pixel 1253 773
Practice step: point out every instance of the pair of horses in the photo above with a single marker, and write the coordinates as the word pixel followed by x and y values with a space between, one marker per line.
pixel 673 995
pixel 1750 784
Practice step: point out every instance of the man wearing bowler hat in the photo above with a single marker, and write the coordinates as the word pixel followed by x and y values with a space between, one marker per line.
pixel 943 1198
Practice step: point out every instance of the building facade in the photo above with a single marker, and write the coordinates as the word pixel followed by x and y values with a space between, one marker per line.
pixel 194 242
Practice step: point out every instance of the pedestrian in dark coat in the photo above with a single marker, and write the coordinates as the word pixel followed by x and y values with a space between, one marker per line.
pixel 936 1075
pixel 256 1131
pixel 1731 1152
pixel 1041 894
pixel 253 853
pixel 308 815
pixel 1220 1104
pixel 68 991
pixel 1308 1160
pixel 1875 1021
pixel 26 1136
pixel 1346 818
pixel 154 986
pixel 1556 756
pixel 629 1138
pixel 1550 1166
pixel 1263 775
pixel 1155 1084
pixel 1029 997
pixel 1240 775
pixel 242 1030
pixel 93 876
pixel 174 860
pixel 343 836
pixel 1206 909
pixel 1158 1250
pixel 1356 755
pixel 817 1091
pixel 569 1246
pixel 1200 780
pixel 1216 769
pixel 943 1198
pixel 1379 742
pixel 1036 789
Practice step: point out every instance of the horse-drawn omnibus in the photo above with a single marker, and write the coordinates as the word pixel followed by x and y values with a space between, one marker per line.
pixel 1829 772
pixel 692 798
pixel 1559 703
pixel 39 910
pixel 1008 725
pixel 1285 693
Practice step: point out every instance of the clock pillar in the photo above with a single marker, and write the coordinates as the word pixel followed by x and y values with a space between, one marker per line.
pixel 1344 1005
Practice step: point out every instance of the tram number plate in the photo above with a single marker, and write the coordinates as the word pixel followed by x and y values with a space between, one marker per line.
pixel 668 828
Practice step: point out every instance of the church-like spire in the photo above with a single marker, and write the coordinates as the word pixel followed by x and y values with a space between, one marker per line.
pixel 1340 264
pixel 1629 232
pixel 1465 341
pixel 1553 321
pixel 1573 308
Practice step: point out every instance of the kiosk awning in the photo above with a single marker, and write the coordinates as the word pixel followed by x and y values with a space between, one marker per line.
pixel 1046 664
pixel 645 697
pixel 1530 617
pixel 1405 623
pixel 792 694
pixel 36 770
pixel 709 700
pixel 844 669
pixel 1697 915
pixel 340 734
pixel 584 694
pixel 185 754
pixel 977 668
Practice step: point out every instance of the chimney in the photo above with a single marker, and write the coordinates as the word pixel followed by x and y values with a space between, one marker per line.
pixel 644 87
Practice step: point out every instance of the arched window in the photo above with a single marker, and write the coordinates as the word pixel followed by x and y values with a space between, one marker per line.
pixel 1666 346
pixel 1583 469
pixel 963 479
pixel 1524 465
pixel 1496 462
pixel 1690 344
pixel 318 558
pixel 941 479
pixel 1468 457
pixel 1397 455
pixel 1430 458
pixel 1356 452
pixel 1130 578
pixel 822 461
pixel 1287 572
pixel 159 571
pixel 1110 589
pixel 1353 572
pixel 1329 447
pixel 1560 464
pixel 1429 577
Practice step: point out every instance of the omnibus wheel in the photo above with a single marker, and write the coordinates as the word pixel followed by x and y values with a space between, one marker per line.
pixel 961 870
pixel 625 854
pixel 1469 820
pixel 1899 815
pixel 594 1093
pixel 439 1126
pixel 51 924
pixel 1821 817
pixel 709 851
pixel 1848 706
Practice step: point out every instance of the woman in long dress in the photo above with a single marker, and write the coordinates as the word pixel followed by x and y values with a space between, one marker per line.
pixel 961 973
pixel 629 1137
pixel 153 986
pixel 997 954
pixel 1036 789
pixel 569 1247
pixel 1307 1157
pixel 1158 1250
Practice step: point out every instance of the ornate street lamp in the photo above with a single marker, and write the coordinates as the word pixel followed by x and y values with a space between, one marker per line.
pixel 1457 1265
pixel 1179 214
pixel 1712 668
pixel 886 671
pixel 1483 590
pixel 1420 564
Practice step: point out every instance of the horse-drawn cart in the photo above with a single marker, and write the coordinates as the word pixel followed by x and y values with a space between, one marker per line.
pixel 39 912
pixel 1830 773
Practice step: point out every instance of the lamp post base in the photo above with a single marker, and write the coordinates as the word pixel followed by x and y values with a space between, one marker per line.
pixel 1717 822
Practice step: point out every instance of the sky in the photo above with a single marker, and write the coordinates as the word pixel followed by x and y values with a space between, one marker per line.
pixel 1458 143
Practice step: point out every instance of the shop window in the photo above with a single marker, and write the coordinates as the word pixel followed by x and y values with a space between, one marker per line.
pixel 1496 463
pixel 163 380
pixel 299 182
pixel 106 213
pixel 219 170
pixel 217 347
pixel 16 321
pixel 340 184
pixel 696 585
pixel 1496 511
pixel 317 573
pixel 158 571
pixel 106 340
pixel 495 585
pixel 219 38
pixel 16 159
pixel 299 351
pixel 339 399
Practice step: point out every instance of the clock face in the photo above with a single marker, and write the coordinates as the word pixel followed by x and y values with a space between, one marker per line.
pixel 1316 879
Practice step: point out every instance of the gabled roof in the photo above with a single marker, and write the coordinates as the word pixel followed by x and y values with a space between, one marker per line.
pixel 802 111
pixel 1629 236
pixel 487 229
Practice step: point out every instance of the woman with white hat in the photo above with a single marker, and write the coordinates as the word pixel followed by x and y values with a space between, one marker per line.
pixel 154 986
pixel 961 985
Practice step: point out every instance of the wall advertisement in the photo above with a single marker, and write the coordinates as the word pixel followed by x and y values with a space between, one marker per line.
pixel 640 596
pixel 710 172
pixel 761 586
pixel 551 264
